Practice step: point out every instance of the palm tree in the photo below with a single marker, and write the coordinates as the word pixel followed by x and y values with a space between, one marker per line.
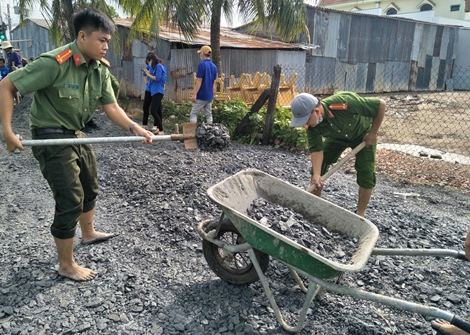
pixel 287 18
pixel 59 15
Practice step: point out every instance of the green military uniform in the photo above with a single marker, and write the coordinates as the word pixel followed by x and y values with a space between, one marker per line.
pixel 348 118
pixel 115 85
pixel 67 92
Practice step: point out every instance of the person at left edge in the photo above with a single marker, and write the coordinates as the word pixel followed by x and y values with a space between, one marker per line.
pixel 14 58
pixel 69 82
pixel 3 69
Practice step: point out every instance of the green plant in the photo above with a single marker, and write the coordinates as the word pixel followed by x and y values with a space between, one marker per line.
pixel 292 137
pixel 174 113
pixel 229 113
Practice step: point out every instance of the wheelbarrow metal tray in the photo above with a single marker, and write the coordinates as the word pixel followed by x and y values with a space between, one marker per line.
pixel 235 194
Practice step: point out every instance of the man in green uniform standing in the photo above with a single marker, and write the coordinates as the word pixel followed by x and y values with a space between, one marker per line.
pixel 69 82
pixel 344 119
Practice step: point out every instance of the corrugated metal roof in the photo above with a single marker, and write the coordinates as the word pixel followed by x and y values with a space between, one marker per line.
pixel 40 22
pixel 228 38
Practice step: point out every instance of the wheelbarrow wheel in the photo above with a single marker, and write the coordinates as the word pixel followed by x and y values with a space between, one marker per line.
pixel 235 268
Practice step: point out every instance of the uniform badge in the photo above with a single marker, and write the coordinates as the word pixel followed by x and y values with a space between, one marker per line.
pixel 63 56
pixel 338 107
pixel 77 59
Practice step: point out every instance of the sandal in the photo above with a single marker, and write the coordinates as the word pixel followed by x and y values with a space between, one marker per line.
pixel 155 130
pixel 144 126
pixel 161 132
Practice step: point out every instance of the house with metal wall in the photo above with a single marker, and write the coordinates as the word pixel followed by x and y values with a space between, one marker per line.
pixel 371 54
pixel 33 38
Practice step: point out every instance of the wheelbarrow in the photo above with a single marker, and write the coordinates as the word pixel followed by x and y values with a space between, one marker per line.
pixel 237 248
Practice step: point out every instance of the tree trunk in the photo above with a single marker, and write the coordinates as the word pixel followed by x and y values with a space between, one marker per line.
pixel 215 35
pixel 268 125
pixel 67 12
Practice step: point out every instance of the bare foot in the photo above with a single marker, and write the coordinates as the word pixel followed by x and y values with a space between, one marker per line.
pixel 445 328
pixel 97 237
pixel 76 272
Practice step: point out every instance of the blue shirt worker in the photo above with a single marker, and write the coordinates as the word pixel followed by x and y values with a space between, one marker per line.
pixel 157 78
pixel 69 83
pixel 3 69
pixel 341 121
pixel 203 93
pixel 14 58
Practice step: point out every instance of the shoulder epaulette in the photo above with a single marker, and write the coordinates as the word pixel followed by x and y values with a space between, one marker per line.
pixel 63 56
pixel 338 107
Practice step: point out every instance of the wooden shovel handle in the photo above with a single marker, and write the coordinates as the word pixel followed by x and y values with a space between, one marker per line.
pixel 340 163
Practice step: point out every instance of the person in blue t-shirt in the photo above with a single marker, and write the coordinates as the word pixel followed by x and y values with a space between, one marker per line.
pixel 203 93
pixel 4 70
pixel 157 79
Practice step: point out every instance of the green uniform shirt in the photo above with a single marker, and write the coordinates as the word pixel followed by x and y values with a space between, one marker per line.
pixel 115 85
pixel 67 94
pixel 348 125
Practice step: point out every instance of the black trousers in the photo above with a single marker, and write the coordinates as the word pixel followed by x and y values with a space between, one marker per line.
pixel 156 110
pixel 146 107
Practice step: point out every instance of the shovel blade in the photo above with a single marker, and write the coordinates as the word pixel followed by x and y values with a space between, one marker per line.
pixel 189 134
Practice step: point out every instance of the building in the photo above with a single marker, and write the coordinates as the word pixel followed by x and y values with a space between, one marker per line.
pixel 437 11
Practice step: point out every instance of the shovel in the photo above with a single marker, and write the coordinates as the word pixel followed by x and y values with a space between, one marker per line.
pixel 188 137
pixel 340 163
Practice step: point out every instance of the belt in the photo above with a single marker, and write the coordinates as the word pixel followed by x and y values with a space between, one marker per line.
pixel 42 131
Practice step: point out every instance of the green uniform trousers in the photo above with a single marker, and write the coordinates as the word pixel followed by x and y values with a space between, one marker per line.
pixel 364 165
pixel 72 175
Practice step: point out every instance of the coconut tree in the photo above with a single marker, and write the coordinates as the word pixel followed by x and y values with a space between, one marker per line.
pixel 287 18
pixel 59 15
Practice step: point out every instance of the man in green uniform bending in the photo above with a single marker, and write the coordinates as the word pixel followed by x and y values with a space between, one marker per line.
pixel 69 82
pixel 345 120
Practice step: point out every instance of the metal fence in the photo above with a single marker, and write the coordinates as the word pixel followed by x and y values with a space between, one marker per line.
pixel 433 123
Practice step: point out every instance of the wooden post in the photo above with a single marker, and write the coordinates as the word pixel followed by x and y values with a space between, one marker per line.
pixel 268 125
pixel 254 109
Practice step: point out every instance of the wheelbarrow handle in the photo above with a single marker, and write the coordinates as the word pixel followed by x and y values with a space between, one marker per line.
pixel 339 164
pixel 461 323
pixel 420 252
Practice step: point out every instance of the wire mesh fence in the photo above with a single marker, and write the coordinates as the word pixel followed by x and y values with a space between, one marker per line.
pixel 425 116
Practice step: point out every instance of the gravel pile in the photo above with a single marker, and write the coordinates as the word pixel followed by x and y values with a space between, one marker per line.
pixel 153 278
pixel 212 137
